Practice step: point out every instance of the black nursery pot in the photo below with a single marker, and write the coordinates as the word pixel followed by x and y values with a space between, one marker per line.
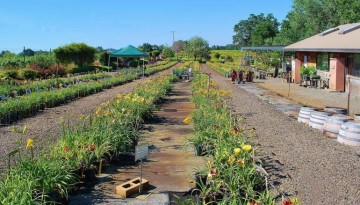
pixel 56 196
pixel 199 150
pixel 200 179
pixel 90 174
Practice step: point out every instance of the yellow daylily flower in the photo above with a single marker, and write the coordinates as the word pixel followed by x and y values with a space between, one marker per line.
pixel 187 120
pixel 295 201
pixel 237 151
pixel 246 147
pixel 29 143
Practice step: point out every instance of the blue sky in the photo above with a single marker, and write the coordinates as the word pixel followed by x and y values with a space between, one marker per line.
pixel 45 24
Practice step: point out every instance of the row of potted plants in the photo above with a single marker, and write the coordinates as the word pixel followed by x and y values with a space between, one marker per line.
pixel 7 88
pixel 233 174
pixel 82 148
pixel 18 108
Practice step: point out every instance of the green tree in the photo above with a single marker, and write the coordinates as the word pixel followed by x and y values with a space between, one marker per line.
pixel 155 53
pixel 4 53
pixel 78 53
pixel 27 52
pixel 309 17
pixel 146 47
pixel 167 52
pixel 197 47
pixel 255 30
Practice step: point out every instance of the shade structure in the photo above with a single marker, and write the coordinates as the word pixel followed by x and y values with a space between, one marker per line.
pixel 129 51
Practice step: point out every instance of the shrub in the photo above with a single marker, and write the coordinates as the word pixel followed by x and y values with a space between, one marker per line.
pixel 83 69
pixel 43 60
pixel 307 71
pixel 52 70
pixel 78 53
pixel 229 58
pixel 217 55
pixel 10 74
pixel 28 74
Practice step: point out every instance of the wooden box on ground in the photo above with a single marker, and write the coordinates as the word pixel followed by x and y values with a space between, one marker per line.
pixel 131 187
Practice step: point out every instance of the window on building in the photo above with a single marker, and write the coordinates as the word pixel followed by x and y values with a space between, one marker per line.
pixel 322 61
pixel 354 64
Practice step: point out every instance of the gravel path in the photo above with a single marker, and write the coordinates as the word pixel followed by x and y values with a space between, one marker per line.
pixel 44 127
pixel 301 161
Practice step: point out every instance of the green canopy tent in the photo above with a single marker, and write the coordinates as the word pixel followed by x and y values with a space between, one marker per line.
pixel 129 51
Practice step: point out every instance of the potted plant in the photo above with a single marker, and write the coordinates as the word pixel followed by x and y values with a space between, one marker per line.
pixel 201 177
pixel 305 73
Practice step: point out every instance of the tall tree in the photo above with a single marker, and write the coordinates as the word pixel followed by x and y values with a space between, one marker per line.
pixel 255 30
pixel 197 47
pixel 309 17
pixel 146 47
pixel 167 52
pixel 178 46
pixel 27 52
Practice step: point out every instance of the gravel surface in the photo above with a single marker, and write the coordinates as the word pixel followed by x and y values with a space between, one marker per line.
pixel 301 161
pixel 45 127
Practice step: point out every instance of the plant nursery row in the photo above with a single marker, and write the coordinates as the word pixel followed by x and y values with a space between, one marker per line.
pixel 20 107
pixel 46 176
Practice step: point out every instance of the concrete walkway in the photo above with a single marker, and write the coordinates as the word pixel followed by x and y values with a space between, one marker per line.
pixel 169 168
pixel 310 96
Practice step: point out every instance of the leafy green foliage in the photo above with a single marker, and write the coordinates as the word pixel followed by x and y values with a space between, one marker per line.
pixel 10 74
pixel 43 60
pixel 197 47
pixel 78 53
pixel 167 52
pixel 254 30
pixel 27 52
pixel 155 53
pixel 307 71
pixel 309 17
pixel 18 108
pixel 28 74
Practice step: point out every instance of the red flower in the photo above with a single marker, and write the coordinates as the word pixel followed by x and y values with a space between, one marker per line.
pixel 92 147
pixel 254 203
pixel 287 202
pixel 236 130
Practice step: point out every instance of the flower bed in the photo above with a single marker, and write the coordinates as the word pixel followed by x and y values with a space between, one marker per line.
pixel 234 176
pixel 82 149
pixel 18 108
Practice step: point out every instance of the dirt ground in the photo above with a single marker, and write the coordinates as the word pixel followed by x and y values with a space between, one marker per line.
pixel 45 126
pixel 301 161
